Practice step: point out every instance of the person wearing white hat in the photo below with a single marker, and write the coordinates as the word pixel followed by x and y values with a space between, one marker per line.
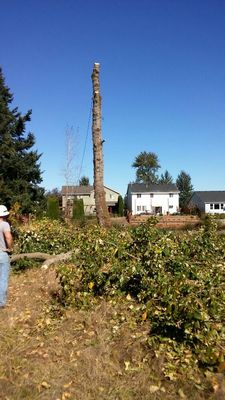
pixel 6 243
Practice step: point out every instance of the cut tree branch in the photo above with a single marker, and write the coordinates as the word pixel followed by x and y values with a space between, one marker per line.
pixel 49 259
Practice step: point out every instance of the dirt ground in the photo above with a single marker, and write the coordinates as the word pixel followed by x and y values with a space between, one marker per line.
pixel 101 353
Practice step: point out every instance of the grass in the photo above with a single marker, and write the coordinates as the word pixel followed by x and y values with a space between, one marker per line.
pixel 101 353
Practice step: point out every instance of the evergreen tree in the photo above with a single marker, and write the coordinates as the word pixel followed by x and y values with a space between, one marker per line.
pixel 19 165
pixel 120 206
pixel 185 188
pixel 78 209
pixel 147 165
pixel 166 178
pixel 84 181
pixel 53 211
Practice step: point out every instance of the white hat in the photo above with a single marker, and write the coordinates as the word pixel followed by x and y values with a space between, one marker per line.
pixel 3 211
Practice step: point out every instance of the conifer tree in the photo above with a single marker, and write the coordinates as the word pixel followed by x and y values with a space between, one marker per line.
pixel 19 165
pixel 166 178
pixel 185 188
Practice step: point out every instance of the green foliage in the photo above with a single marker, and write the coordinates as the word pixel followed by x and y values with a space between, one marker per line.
pixel 53 211
pixel 84 181
pixel 120 206
pixel 177 279
pixel 47 236
pixel 147 165
pixel 185 188
pixel 19 165
pixel 166 178
pixel 24 264
pixel 78 209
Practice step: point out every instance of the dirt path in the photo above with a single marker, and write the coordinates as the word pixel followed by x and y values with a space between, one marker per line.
pixel 99 353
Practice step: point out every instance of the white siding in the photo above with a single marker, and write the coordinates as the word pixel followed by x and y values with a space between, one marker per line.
pixel 221 209
pixel 161 202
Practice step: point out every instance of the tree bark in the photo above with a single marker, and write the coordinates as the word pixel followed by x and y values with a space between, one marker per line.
pixel 100 202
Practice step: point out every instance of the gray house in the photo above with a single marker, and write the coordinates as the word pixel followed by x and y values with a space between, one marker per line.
pixel 210 202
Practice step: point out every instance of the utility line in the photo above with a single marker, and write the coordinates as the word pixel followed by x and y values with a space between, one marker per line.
pixel 85 143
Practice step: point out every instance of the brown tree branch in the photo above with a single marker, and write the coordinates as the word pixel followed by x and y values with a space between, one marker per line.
pixel 49 259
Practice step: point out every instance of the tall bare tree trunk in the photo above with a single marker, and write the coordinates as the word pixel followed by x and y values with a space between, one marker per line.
pixel 101 207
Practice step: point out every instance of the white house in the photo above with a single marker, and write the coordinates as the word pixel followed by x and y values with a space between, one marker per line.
pixel 69 193
pixel 152 198
pixel 210 202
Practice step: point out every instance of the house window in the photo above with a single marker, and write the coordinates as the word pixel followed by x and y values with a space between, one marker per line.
pixel 171 194
pixel 111 196
pixel 170 206
pixel 221 206
pixel 211 206
pixel 143 208
pixel 138 208
pixel 138 196
pixel 216 206
pixel 151 195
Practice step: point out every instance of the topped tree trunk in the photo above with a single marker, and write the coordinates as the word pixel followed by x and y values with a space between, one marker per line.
pixel 101 207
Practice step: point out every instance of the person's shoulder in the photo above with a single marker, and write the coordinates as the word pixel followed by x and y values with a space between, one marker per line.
pixel 5 226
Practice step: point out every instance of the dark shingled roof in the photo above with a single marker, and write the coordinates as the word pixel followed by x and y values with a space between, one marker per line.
pixel 77 190
pixel 212 196
pixel 152 187
pixel 80 190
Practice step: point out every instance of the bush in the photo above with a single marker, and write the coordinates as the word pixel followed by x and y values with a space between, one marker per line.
pixel 53 208
pixel 78 209
pixel 46 235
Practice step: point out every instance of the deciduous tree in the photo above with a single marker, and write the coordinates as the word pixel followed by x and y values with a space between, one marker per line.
pixel 147 165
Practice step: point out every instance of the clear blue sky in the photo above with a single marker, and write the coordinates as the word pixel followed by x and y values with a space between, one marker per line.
pixel 162 83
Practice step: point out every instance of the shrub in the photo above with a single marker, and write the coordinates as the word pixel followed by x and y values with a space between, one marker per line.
pixel 53 208
pixel 78 209
pixel 46 235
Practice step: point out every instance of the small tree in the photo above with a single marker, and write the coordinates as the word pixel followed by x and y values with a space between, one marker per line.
pixel 84 181
pixel 147 165
pixel 53 211
pixel 185 188
pixel 120 206
pixel 78 209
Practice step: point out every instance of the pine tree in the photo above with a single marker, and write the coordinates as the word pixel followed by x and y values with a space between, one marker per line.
pixel 19 165
pixel 120 206
pixel 166 178
pixel 84 181
pixel 185 188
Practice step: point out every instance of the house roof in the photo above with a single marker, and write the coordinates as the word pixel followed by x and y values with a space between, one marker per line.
pixel 212 196
pixel 80 190
pixel 152 187
pixel 77 190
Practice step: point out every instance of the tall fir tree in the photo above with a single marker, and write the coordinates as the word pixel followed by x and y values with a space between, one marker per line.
pixel 185 188
pixel 20 172
pixel 166 178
